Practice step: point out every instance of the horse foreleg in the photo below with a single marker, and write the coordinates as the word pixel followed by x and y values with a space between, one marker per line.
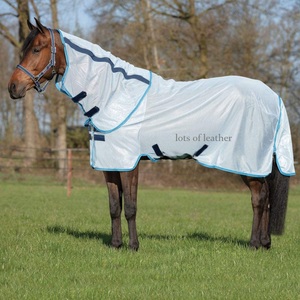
pixel 114 186
pixel 259 198
pixel 130 185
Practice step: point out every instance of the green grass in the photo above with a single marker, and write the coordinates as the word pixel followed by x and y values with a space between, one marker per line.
pixel 193 245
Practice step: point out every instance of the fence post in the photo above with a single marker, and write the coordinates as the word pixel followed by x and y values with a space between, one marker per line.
pixel 69 176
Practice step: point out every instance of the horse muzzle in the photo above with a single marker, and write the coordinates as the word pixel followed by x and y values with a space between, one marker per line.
pixel 16 90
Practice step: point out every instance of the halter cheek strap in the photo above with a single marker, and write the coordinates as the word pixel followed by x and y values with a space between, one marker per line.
pixel 51 64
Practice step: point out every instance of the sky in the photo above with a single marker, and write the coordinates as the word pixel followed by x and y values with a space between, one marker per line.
pixel 78 13
pixel 70 12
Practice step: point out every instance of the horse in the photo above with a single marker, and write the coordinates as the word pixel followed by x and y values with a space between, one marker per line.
pixel 49 53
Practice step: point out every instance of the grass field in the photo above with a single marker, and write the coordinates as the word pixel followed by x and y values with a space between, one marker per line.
pixel 193 245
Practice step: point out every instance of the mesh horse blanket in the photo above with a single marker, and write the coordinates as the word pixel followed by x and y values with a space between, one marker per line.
pixel 232 123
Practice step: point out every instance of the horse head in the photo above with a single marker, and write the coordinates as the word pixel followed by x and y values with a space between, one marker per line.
pixel 42 58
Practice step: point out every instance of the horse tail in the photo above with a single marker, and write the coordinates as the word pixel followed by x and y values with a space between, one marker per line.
pixel 278 197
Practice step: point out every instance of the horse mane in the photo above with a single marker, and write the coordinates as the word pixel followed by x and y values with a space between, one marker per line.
pixel 33 33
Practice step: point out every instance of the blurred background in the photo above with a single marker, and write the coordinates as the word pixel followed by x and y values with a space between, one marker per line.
pixel 179 39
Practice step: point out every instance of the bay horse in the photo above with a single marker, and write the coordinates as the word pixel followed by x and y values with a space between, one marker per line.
pixel 45 56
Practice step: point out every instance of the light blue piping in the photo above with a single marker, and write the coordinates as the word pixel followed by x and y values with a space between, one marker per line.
pixel 90 121
pixel 62 88
pixel 275 140
pixel 283 173
pixel 203 164
pixel 278 125
pixel 230 171
pixel 200 163
pixel 127 170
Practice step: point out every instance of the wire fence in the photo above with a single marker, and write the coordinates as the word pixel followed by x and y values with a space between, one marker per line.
pixel 72 167
pixel 45 162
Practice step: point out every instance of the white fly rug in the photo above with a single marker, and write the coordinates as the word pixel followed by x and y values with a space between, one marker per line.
pixel 230 123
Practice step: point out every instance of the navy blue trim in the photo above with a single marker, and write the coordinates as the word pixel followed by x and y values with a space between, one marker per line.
pixel 129 116
pixel 79 97
pixel 106 60
pixel 157 150
pixel 198 152
pixel 98 137
pixel 92 111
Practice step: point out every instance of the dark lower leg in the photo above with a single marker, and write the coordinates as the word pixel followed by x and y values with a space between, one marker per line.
pixel 129 185
pixel 114 187
pixel 265 237
pixel 258 196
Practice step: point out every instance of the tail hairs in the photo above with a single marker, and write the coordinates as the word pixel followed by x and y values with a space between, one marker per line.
pixel 278 196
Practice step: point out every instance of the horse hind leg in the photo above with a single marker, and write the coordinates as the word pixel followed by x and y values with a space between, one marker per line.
pixel 265 234
pixel 260 235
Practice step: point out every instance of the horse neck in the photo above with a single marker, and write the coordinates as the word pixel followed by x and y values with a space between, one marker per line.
pixel 61 62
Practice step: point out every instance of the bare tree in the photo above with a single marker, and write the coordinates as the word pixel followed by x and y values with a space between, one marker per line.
pixel 174 35
pixel 58 111
pixel 150 41
pixel 20 9
pixel 7 107
pixel 56 101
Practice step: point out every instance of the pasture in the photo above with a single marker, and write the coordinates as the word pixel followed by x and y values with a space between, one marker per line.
pixel 193 245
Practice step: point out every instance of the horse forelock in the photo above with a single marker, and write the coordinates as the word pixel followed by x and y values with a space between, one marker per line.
pixel 33 33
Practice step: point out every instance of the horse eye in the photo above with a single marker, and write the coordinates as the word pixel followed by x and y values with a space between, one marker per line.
pixel 36 50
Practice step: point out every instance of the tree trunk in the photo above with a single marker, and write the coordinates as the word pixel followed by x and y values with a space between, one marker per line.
pixel 200 39
pixel 150 45
pixel 58 119
pixel 30 123
pixel 30 129
pixel 61 133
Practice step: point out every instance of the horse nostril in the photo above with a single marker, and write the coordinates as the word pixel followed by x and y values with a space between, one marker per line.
pixel 12 87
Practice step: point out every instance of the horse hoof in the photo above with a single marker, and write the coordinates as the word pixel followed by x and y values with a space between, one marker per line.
pixel 254 245
pixel 134 246
pixel 116 245
pixel 266 246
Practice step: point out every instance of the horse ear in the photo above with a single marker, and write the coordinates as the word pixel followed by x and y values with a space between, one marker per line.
pixel 30 26
pixel 41 28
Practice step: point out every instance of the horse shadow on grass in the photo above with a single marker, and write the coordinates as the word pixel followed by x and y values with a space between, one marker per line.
pixel 200 237
pixel 106 238
pixel 89 234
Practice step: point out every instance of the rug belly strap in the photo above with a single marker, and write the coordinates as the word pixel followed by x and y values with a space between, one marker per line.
pixel 198 152
pixel 92 112
pixel 79 97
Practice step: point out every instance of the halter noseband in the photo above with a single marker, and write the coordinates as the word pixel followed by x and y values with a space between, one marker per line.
pixel 50 65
